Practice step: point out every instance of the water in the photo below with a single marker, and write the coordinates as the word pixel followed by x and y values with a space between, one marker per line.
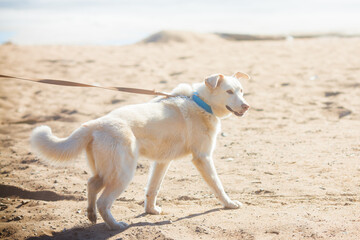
pixel 113 22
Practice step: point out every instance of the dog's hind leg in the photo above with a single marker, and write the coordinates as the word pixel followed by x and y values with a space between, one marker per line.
pixel 112 190
pixel 123 169
pixel 157 174
pixel 95 184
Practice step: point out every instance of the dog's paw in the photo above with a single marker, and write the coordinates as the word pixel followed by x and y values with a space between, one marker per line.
pixel 154 210
pixel 233 205
pixel 91 216
pixel 118 226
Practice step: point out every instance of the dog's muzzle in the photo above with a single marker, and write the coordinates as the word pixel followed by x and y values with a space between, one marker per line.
pixel 244 107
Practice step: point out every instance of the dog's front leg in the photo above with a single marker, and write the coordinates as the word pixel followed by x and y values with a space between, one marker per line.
pixel 157 174
pixel 205 166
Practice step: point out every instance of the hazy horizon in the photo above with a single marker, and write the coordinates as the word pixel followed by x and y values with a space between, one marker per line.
pixel 110 22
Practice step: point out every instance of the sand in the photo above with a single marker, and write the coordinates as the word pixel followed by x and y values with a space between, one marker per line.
pixel 293 160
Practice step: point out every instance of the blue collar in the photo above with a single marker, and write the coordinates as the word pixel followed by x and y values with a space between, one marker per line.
pixel 195 97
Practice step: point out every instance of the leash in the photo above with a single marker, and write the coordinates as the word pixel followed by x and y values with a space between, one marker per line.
pixel 76 84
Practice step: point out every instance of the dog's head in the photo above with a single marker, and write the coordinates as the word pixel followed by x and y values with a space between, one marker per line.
pixel 226 94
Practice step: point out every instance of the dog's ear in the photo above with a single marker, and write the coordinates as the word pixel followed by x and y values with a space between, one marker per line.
pixel 240 75
pixel 214 80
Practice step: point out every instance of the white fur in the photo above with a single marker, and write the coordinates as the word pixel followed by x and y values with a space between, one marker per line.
pixel 59 149
pixel 162 130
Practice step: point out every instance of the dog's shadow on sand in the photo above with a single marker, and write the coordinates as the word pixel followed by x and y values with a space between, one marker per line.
pixel 100 231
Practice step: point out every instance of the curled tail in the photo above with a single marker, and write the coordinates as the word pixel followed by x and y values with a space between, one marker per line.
pixel 56 149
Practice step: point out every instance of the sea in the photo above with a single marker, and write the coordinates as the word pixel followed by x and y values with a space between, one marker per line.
pixel 120 22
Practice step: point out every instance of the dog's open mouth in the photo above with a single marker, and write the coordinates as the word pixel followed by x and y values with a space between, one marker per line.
pixel 239 114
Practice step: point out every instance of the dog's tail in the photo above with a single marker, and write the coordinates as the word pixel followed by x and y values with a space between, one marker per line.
pixel 60 150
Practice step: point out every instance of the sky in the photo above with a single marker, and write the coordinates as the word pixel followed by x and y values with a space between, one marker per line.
pixel 118 22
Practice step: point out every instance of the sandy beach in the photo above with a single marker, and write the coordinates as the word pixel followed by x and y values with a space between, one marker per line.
pixel 293 160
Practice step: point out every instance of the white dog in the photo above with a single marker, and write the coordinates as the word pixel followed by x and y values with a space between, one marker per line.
pixel 162 130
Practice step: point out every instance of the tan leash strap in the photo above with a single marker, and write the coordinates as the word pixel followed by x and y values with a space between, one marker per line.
pixel 75 84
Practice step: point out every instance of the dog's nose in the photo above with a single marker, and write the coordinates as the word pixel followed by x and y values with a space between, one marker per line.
pixel 245 107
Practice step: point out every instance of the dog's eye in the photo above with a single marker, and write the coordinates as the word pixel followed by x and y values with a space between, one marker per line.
pixel 241 90
pixel 230 91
